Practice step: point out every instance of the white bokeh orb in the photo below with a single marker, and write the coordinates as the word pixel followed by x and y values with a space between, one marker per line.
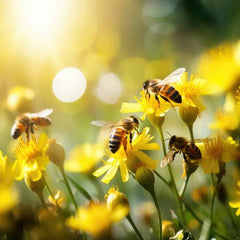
pixel 109 88
pixel 69 84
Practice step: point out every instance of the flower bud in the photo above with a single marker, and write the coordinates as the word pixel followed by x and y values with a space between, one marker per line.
pixel 116 199
pixel 169 229
pixel 35 186
pixel 188 114
pixel 145 178
pixel 156 121
pixel 56 153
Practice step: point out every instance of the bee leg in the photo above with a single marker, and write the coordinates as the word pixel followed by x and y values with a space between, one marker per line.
pixel 186 158
pixel 27 133
pixel 156 97
pixel 131 137
pixel 125 144
pixel 137 131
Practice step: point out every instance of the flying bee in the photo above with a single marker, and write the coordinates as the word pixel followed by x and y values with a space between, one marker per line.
pixel 28 122
pixel 191 153
pixel 161 88
pixel 120 131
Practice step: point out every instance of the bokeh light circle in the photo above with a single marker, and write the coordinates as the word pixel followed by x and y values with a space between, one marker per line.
pixel 109 88
pixel 69 84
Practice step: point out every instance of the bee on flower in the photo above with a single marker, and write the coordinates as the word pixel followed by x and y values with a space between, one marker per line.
pixel 157 96
pixel 130 159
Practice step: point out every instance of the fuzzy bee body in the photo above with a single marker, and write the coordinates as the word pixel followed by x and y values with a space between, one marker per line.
pixel 116 138
pixel 120 131
pixel 162 88
pixel 28 122
pixel 190 151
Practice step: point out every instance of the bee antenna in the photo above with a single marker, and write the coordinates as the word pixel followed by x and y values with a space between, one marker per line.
pixel 166 139
pixel 169 134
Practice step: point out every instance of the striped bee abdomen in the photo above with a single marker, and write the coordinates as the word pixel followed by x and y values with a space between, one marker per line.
pixel 115 139
pixel 170 93
pixel 193 151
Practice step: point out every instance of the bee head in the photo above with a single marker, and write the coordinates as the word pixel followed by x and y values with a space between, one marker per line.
pixel 135 120
pixel 145 86
pixel 172 141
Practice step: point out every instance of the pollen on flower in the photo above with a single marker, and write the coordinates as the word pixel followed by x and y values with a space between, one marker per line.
pixel 31 158
pixel 215 152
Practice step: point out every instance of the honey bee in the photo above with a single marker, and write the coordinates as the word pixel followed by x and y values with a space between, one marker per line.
pixel 162 87
pixel 120 131
pixel 28 122
pixel 180 145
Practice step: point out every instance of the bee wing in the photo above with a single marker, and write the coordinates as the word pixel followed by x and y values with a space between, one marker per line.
pixel 173 77
pixel 44 113
pixel 168 158
pixel 105 124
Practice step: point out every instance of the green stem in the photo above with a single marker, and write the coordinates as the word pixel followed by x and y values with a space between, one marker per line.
pixel 232 219
pixel 129 218
pixel 184 186
pixel 171 176
pixel 212 202
pixel 162 178
pixel 49 189
pixel 159 214
pixel 68 187
pixel 40 195
pixel 192 211
pixel 190 128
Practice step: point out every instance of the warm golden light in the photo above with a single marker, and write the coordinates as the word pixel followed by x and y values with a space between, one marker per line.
pixel 40 18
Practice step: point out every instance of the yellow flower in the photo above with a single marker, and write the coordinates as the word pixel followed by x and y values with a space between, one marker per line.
pixel 191 90
pixel 83 158
pixel 30 157
pixel 227 119
pixel 216 152
pixel 221 66
pixel 7 195
pixel 147 106
pixel 130 160
pixel 95 218
pixel 236 203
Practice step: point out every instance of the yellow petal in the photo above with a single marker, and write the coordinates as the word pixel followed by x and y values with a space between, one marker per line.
pixel 130 107
pixel 110 174
pixel 149 162
pixel 124 171
pixel 235 204
pixel 101 170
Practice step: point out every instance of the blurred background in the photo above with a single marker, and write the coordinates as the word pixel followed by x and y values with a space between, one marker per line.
pixel 83 58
